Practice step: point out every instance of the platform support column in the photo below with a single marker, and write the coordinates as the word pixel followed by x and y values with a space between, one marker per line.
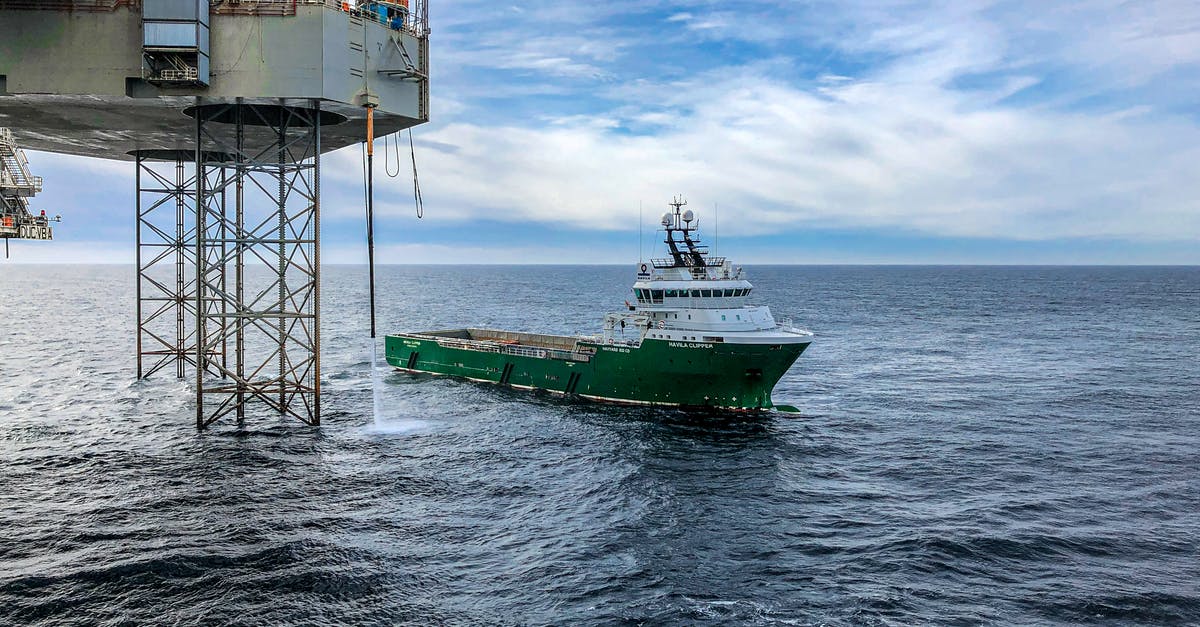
pixel 268 237
pixel 239 269
pixel 165 267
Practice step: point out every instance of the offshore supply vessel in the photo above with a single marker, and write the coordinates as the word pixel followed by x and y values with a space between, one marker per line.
pixel 689 340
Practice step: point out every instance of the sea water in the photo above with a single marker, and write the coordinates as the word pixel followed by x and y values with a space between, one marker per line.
pixel 975 444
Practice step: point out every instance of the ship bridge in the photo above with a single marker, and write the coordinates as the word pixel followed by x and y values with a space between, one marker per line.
pixel 223 109
pixel 690 278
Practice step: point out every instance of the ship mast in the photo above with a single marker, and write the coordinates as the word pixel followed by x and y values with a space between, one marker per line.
pixel 682 221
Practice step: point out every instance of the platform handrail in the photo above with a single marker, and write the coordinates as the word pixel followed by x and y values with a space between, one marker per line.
pixel 14 166
pixel 416 24
pixel 88 6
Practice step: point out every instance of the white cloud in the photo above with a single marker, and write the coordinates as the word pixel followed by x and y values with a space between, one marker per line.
pixel 455 254
pixel 902 144
pixel 857 154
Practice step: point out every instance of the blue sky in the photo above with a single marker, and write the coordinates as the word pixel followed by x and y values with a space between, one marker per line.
pixel 849 131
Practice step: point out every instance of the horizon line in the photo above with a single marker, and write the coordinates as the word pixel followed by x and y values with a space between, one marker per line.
pixel 600 265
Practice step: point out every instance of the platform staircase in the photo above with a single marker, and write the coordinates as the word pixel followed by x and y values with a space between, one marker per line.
pixel 17 186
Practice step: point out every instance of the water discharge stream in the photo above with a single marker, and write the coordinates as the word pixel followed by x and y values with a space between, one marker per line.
pixel 376 383
pixel 381 424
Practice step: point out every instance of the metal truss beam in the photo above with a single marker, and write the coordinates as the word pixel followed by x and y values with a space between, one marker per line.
pixel 165 265
pixel 166 261
pixel 257 260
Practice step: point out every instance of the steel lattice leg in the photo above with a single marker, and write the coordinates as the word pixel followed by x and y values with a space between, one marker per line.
pixel 270 156
pixel 165 266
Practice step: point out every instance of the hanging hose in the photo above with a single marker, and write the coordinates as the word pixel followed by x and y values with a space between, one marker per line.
pixel 387 158
pixel 368 175
pixel 417 199
pixel 371 213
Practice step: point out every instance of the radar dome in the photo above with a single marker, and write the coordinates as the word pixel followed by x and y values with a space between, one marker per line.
pixel 666 219
pixel 688 215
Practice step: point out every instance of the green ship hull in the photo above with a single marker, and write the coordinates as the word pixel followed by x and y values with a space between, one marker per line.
pixel 652 372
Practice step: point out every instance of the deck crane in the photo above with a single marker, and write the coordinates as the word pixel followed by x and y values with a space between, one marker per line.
pixel 17 186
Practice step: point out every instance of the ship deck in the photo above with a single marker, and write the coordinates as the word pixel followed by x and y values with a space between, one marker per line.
pixel 509 342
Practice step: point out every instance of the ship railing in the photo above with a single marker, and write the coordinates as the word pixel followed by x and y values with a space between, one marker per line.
pixel 607 341
pixel 486 347
pixel 513 349
pixel 524 351
pixel 709 262
pixel 600 339
pixel 544 353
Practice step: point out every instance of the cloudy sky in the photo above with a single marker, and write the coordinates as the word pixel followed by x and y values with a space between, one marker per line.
pixel 847 131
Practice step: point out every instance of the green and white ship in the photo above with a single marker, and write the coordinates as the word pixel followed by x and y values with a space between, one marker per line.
pixel 689 339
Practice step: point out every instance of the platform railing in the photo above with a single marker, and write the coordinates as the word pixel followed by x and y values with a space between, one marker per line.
pixel 88 6
pixel 416 23
pixel 275 8
pixel 14 167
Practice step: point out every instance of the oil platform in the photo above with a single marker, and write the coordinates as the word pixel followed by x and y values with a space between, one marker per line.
pixel 17 186
pixel 223 110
